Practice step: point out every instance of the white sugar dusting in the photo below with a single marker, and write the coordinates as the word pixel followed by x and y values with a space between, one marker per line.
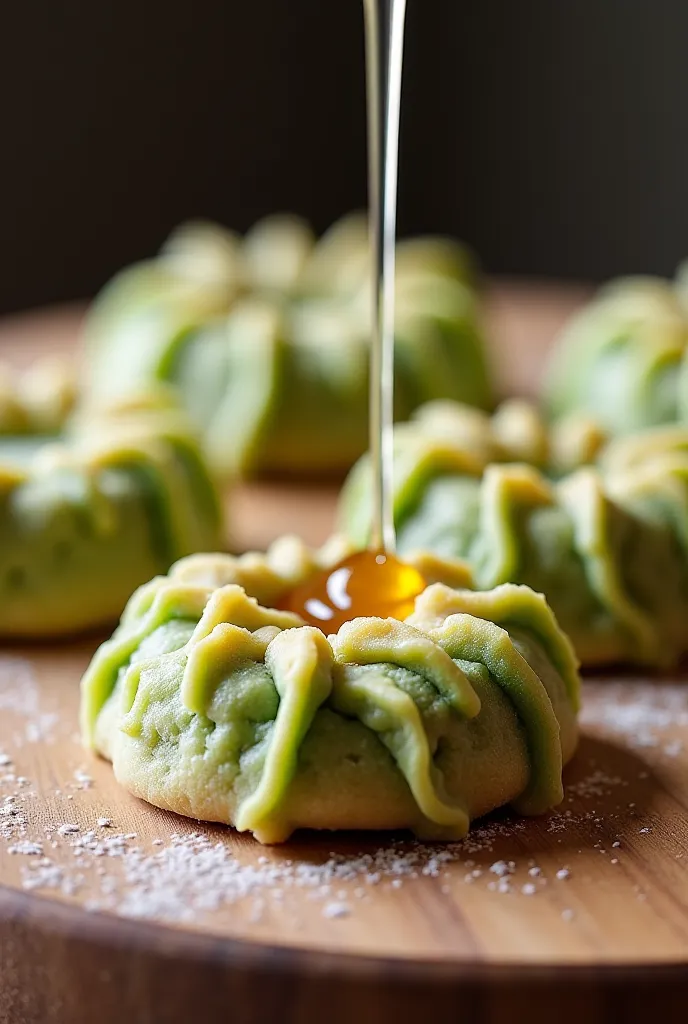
pixel 597 784
pixel 336 910
pixel 181 876
pixel 27 848
pixel 67 829
pixel 20 695
pixel 638 713
pixel 193 874
pixel 13 821
pixel 82 780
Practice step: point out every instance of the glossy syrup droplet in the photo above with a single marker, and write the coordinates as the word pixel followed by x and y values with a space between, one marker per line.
pixel 367 583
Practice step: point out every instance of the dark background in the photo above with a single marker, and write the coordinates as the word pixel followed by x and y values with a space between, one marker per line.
pixel 552 134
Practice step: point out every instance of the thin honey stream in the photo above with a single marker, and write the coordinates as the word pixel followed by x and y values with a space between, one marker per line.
pixel 375 582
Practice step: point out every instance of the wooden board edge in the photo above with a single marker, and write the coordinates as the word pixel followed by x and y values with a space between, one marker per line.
pixel 59 963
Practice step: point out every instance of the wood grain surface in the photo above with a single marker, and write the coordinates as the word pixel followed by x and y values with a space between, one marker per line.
pixel 111 909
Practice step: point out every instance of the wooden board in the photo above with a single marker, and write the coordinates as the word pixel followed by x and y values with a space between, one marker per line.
pixel 112 909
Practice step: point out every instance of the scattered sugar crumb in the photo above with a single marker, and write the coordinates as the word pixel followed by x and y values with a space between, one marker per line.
pixel 638 713
pixel 597 784
pixel 20 695
pixel 191 873
pixel 68 829
pixel 82 779
pixel 28 849
pixel 336 910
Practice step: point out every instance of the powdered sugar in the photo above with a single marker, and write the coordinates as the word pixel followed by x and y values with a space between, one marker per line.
pixel 20 695
pixel 596 784
pixel 68 842
pixel 67 829
pixel 638 713
pixel 26 848
pixel 336 910
pixel 194 874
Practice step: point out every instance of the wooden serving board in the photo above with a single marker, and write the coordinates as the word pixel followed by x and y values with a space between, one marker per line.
pixel 113 910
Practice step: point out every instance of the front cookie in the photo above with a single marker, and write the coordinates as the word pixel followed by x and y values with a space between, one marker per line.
pixel 220 708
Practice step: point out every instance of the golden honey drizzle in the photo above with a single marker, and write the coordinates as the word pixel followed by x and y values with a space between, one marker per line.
pixel 374 582
pixel 367 583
